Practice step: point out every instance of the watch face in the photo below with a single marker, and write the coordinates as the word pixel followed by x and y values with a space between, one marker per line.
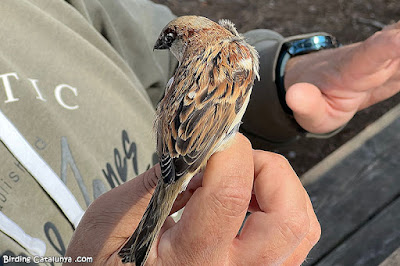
pixel 315 43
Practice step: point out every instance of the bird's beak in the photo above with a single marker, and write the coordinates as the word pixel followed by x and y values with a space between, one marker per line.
pixel 160 45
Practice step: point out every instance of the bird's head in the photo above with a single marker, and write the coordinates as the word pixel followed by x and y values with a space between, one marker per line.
pixel 194 31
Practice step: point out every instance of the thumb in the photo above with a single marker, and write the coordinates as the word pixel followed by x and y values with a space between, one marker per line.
pixel 216 210
pixel 309 107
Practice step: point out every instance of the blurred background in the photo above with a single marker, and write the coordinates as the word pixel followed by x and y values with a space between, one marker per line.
pixel 349 20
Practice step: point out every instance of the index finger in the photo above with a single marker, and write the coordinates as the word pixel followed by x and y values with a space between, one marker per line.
pixel 275 231
pixel 277 187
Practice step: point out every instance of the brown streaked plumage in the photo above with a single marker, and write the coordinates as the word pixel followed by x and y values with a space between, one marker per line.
pixel 201 111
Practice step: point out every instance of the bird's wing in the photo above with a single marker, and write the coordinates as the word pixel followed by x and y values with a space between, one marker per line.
pixel 201 105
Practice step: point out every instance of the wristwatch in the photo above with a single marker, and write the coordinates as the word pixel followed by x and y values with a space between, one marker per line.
pixel 294 47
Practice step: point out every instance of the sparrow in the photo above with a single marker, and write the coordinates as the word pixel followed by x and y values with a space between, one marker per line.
pixel 199 115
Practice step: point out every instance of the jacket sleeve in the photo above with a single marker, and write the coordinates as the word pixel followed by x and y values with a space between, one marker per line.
pixel 132 28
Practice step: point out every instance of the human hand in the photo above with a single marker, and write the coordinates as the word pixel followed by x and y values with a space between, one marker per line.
pixel 325 89
pixel 281 230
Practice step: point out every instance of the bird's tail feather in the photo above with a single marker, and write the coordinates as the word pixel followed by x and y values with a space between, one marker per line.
pixel 138 246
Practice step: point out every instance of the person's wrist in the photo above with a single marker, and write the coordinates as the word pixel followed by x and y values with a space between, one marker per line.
pixel 292 71
pixel 316 67
pixel 296 47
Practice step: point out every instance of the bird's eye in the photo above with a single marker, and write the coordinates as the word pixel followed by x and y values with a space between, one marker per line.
pixel 169 38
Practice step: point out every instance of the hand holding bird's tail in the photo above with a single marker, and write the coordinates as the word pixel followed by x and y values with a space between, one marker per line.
pixel 138 246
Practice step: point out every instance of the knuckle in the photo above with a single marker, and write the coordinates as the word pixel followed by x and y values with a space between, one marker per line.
pixel 377 34
pixel 374 37
pixel 231 202
pixel 272 156
pixel 278 159
pixel 297 226
pixel 369 43
pixel 245 140
pixel 315 232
